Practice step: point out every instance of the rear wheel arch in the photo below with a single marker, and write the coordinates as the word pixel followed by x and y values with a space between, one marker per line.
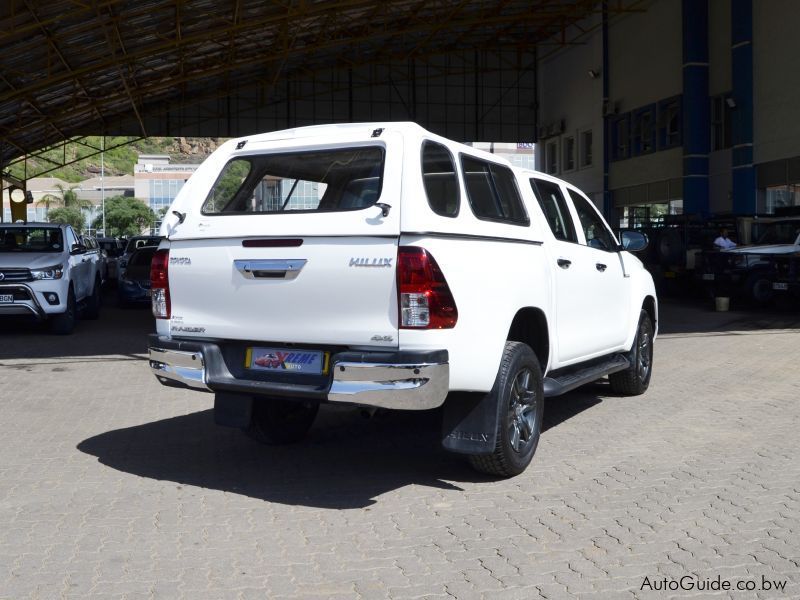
pixel 530 327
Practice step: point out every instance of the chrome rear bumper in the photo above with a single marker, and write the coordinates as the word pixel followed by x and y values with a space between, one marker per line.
pixel 412 386
pixel 395 380
pixel 187 368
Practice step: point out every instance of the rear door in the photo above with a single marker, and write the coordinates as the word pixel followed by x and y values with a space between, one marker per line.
pixel 290 246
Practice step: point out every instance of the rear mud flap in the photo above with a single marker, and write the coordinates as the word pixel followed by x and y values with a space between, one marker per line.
pixel 469 423
pixel 233 410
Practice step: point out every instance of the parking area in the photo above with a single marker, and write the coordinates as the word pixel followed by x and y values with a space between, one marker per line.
pixel 113 486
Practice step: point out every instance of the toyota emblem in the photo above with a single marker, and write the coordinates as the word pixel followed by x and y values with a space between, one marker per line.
pixel 2 276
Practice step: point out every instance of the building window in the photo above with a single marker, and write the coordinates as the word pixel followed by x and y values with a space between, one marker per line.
pixel 720 123
pixel 551 157
pixel 781 196
pixel 643 138
pixel 568 146
pixel 620 137
pixel 585 148
pixel 669 123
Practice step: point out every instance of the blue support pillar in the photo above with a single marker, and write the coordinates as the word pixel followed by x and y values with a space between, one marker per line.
pixel 696 107
pixel 608 201
pixel 744 177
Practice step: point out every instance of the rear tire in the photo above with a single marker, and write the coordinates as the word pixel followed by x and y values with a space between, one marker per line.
pixel 277 421
pixel 64 323
pixel 635 380
pixel 520 394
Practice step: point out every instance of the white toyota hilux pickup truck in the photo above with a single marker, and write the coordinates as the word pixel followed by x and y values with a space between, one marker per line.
pixel 384 266
pixel 47 273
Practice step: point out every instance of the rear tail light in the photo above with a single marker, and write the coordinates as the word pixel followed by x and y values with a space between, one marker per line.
pixel 424 297
pixel 159 285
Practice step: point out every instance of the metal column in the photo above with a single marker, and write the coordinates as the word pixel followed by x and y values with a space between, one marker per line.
pixel 696 107
pixel 744 178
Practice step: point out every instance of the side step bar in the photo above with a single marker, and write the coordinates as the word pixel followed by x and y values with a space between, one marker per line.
pixel 570 378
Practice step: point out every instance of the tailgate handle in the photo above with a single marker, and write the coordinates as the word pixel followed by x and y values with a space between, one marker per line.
pixel 270 268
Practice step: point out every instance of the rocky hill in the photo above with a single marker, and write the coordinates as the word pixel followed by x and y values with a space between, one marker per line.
pixel 118 160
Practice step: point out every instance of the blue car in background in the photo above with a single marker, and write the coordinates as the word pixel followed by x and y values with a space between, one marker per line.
pixel 134 279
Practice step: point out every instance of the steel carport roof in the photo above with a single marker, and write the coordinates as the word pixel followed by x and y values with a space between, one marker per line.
pixel 78 67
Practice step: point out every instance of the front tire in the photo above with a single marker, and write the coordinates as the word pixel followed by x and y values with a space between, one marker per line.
pixel 64 323
pixel 635 380
pixel 94 302
pixel 519 392
pixel 759 288
pixel 276 421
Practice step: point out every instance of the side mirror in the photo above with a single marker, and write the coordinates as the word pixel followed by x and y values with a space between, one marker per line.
pixel 633 241
pixel 77 248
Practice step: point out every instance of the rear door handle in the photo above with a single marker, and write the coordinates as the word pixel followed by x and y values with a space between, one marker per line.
pixel 601 267
pixel 564 263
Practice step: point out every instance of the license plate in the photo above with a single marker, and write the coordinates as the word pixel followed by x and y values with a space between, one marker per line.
pixel 708 277
pixel 780 286
pixel 6 298
pixel 287 360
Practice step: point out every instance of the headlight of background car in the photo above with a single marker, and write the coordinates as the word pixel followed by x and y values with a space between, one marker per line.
pixel 55 272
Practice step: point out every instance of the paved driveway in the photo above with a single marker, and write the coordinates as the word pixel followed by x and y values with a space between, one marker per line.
pixel 113 486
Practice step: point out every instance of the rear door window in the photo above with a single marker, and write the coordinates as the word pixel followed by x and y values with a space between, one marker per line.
pixel 440 179
pixel 492 191
pixel 318 181
pixel 555 209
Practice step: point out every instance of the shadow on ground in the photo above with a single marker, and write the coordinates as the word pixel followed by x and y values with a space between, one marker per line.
pixel 686 316
pixel 346 462
pixel 118 331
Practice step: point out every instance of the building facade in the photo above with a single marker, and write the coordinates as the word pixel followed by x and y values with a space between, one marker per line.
pixel 680 107
pixel 157 182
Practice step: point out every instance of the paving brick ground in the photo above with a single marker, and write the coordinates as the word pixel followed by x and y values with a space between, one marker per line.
pixel 112 486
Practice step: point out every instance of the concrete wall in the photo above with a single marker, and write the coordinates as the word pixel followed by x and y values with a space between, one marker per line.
pixel 567 91
pixel 719 47
pixel 776 89
pixel 645 55
pixel 645 59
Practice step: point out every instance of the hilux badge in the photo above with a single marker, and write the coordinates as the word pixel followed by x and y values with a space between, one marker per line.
pixel 370 262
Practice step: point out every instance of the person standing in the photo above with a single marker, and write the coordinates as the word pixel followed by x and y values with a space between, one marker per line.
pixel 723 242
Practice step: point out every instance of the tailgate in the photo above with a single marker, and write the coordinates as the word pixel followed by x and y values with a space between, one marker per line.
pixel 320 292
pixel 293 246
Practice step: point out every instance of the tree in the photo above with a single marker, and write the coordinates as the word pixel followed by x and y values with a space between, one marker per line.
pixel 66 198
pixel 67 214
pixel 125 216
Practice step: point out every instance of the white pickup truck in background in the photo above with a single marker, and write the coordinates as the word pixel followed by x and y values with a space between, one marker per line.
pixel 384 266
pixel 47 273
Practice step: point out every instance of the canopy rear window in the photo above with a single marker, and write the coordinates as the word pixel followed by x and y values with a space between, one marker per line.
pixel 318 181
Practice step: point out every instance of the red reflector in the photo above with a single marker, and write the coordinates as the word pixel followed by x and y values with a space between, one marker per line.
pixel 424 298
pixel 159 285
pixel 285 243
